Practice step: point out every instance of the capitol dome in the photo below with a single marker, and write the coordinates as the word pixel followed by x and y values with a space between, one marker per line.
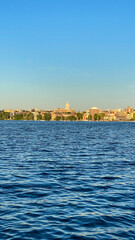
pixel 67 106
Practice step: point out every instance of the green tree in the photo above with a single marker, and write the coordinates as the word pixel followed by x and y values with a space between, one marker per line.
pixel 58 118
pixel 0 115
pixel 39 117
pixel 18 116
pixel 30 116
pixel 25 116
pixel 102 115
pixel 97 117
pixel 89 117
pixel 47 117
pixel 71 118
pixel 63 118
pixel 4 115
pixel 79 116
pixel 134 117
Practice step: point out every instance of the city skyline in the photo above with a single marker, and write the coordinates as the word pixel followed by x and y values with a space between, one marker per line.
pixel 68 114
pixel 67 107
pixel 51 51
pixel 62 106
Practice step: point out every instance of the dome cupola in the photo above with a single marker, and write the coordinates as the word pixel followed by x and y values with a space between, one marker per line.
pixel 67 106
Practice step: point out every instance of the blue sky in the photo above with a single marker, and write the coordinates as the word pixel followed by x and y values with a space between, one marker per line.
pixel 52 51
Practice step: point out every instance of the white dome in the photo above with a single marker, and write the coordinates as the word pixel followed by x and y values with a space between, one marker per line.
pixel 67 106
pixel 94 108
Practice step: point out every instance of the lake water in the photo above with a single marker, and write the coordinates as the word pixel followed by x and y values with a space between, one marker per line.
pixel 67 180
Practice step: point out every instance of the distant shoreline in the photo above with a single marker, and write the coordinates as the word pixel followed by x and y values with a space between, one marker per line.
pixel 12 120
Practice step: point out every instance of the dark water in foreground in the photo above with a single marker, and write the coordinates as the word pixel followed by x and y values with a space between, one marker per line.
pixel 62 180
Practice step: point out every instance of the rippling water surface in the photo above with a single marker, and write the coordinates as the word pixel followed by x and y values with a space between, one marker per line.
pixel 67 180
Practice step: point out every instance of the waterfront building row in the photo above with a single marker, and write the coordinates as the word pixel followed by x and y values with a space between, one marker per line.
pixel 68 114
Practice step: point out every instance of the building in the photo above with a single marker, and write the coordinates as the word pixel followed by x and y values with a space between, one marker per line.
pixel 67 107
pixel 93 111
pixel 129 110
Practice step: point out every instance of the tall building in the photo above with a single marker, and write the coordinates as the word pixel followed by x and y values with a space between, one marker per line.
pixel 67 107
pixel 129 110
pixel 94 111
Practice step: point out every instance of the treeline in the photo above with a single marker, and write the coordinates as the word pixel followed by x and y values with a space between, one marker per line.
pixel 16 116
pixel 47 116
pixel 4 115
pixel 30 116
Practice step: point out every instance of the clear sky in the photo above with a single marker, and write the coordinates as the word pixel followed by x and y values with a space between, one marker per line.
pixel 52 51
